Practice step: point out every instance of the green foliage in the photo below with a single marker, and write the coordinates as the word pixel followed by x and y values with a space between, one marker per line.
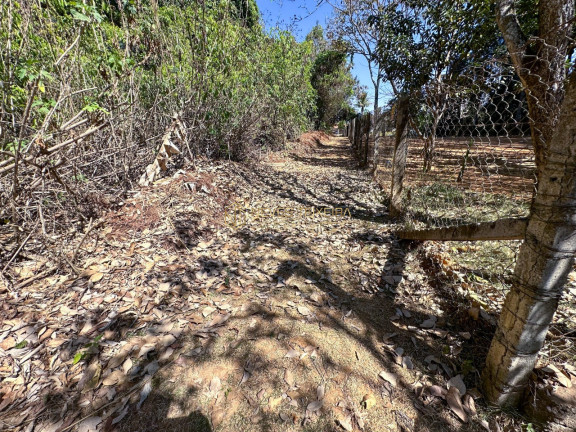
pixel 332 80
pixel 420 41
pixel 361 96
pixel 237 86
pixel 527 16
pixel 247 11
pixel 88 349
pixel 21 344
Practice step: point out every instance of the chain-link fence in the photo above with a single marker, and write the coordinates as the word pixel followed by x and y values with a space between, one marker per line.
pixel 468 152
pixel 360 133
pixel 458 162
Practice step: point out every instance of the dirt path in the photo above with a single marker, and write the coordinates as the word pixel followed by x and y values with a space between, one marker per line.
pixel 309 308
pixel 289 321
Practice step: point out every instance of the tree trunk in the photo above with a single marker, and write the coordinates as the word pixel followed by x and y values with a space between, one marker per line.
pixel 377 124
pixel 367 130
pixel 399 157
pixel 545 259
pixel 540 64
pixel 429 148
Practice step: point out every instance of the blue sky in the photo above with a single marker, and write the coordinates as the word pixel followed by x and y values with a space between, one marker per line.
pixel 300 16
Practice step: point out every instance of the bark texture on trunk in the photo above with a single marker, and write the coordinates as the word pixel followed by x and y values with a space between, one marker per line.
pixel 399 157
pixel 540 64
pixel 377 125
pixel 545 259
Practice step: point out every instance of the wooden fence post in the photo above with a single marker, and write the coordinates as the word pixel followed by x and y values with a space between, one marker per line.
pixel 367 128
pixel 376 131
pixel 357 133
pixel 352 130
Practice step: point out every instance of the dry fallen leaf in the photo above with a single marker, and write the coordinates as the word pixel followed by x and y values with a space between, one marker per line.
pixel 8 343
pixel 469 405
pixel 65 310
pixel 345 422
pixel 453 399
pixel 429 323
pixel 314 406
pixel 407 363
pixel 437 391
pixel 127 365
pixel 315 297
pixel 569 368
pixel 320 391
pixel 145 350
pixel 219 320
pixel 118 359
pixel 368 401
pixel 292 353
pixel 91 377
pixel 390 377
pixel 167 340
pixel 96 277
pixel 215 385
pixel 303 310
pixel 115 377
pixel 144 393
pixel 560 376
pixel 208 310
pixel 458 383
pixel 151 368
pixel 90 424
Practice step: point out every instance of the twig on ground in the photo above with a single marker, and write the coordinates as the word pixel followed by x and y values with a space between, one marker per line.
pixel 91 226
pixel 19 249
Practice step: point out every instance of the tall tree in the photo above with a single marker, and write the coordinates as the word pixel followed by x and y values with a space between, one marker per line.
pixel 547 255
pixel 331 78
pixel 539 58
pixel 423 48
pixel 361 96
pixel 352 25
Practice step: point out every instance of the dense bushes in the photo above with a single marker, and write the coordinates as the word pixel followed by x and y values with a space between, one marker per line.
pixel 331 79
pixel 233 82
pixel 89 88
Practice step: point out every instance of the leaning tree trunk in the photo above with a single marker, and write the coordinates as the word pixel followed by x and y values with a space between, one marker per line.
pixel 377 124
pixel 397 204
pixel 546 258
pixel 540 64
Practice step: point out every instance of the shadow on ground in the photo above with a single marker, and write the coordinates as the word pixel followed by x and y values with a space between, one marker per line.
pixel 305 343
